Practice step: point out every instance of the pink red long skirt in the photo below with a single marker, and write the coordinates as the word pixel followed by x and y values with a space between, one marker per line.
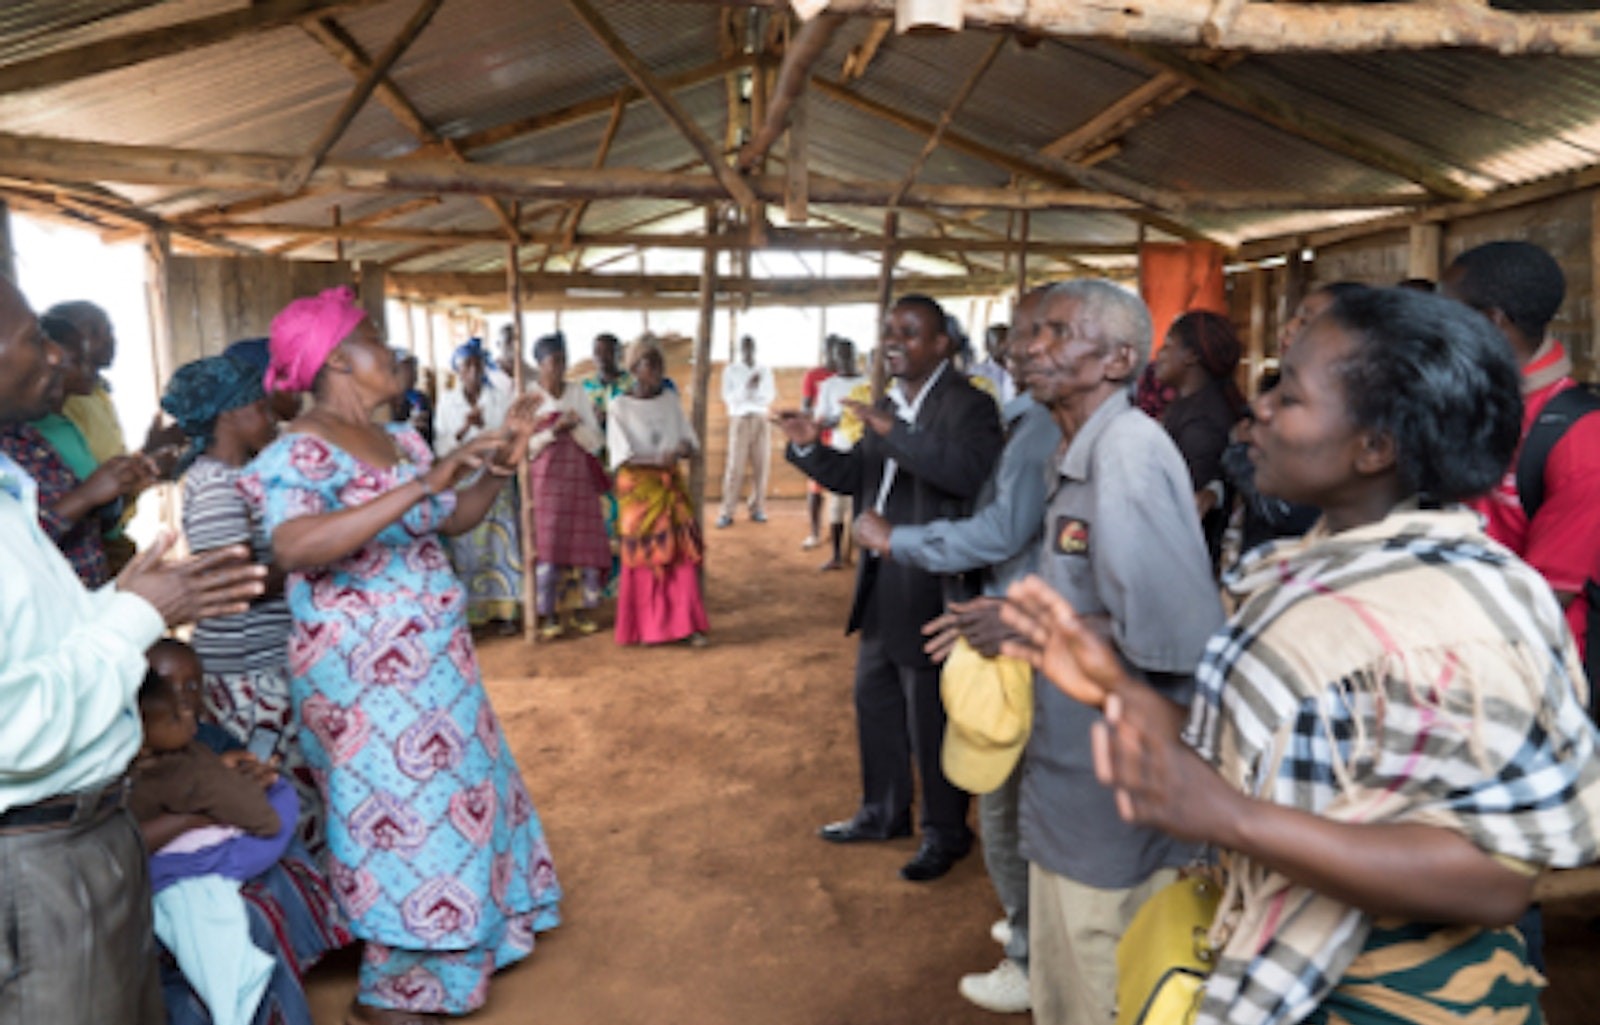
pixel 658 605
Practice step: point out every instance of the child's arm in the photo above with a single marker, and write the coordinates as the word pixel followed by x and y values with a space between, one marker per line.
pixel 231 797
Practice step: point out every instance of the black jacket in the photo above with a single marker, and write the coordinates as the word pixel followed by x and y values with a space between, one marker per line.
pixel 943 459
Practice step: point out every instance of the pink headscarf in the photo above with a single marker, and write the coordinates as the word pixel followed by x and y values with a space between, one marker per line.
pixel 305 332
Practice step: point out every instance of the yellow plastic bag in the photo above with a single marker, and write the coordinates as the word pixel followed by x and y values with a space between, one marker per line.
pixel 1165 955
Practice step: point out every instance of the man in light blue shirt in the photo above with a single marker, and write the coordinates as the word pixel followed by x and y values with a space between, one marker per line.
pixel 1001 538
pixel 78 947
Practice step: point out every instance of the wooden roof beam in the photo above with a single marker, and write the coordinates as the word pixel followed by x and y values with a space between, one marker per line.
pixel 1288 117
pixel 168 41
pixel 946 116
pixel 348 52
pixel 652 87
pixel 1052 171
pixel 45 159
pixel 860 57
pixel 409 206
pixel 1119 116
pixel 798 61
pixel 585 109
pixel 358 97
pixel 1287 27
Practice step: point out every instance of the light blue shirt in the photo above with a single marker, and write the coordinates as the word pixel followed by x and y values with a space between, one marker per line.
pixel 1004 532
pixel 71 661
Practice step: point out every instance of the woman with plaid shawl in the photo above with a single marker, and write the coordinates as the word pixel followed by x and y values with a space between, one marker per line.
pixel 1394 719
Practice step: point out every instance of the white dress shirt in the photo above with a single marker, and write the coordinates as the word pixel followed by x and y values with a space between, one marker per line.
pixel 71 662
pixel 747 390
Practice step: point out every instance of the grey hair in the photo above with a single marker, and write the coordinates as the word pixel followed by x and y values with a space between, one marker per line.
pixel 1109 312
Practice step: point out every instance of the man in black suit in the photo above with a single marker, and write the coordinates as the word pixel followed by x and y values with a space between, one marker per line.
pixel 927 447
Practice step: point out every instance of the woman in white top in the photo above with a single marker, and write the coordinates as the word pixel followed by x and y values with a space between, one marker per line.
pixel 570 552
pixel 488 558
pixel 647 435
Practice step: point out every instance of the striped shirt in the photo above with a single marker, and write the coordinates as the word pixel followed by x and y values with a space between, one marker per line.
pixel 216 514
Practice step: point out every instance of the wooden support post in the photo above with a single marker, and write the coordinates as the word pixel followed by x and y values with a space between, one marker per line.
pixel 701 406
pixel 796 177
pixel 338 242
pixel 880 371
pixel 433 347
pixel 1022 257
pixel 158 262
pixel 1423 250
pixel 528 548
pixel 8 252
pixel 1296 276
pixel 1257 342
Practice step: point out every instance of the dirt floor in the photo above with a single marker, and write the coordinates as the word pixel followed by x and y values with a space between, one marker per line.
pixel 681 791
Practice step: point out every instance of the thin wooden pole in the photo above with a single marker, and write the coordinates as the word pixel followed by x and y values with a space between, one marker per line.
pixel 528 550
pixel 700 408
pixel 1258 328
pixel 1022 257
pixel 880 373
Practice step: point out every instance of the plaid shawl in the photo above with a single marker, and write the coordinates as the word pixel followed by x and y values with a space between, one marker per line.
pixel 1406 671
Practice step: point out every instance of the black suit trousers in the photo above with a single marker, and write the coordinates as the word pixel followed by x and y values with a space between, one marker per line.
pixel 900 719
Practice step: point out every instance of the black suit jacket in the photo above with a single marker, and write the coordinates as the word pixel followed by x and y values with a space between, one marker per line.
pixel 943 459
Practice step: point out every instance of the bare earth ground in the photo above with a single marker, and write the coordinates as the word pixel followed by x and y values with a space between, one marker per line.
pixel 681 791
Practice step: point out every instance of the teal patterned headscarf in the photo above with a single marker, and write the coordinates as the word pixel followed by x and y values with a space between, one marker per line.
pixel 201 391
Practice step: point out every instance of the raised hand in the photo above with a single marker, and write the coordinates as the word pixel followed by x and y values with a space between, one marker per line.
pixel 221 582
pixel 1158 779
pixel 799 428
pixel 1050 636
pixel 447 472
pixel 880 421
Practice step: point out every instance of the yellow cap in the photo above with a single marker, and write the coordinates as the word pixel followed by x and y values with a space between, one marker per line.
pixel 989 704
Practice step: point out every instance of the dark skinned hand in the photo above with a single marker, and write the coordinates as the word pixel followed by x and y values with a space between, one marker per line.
pixel 251 767
pixel 221 582
pixel 1158 780
pixel 117 477
pixel 872 532
pixel 447 472
pixel 978 621
pixel 1049 635
pixel 799 428
pixel 880 421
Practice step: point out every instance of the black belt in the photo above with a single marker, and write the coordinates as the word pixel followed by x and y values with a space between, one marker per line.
pixel 66 810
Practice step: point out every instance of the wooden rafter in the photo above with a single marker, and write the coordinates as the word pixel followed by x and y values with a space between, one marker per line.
pixel 1289 117
pixel 371 220
pixel 487 285
pixel 1117 117
pixel 42 159
pixel 344 47
pixel 1289 27
pixel 597 106
pixel 946 116
pixel 167 41
pixel 803 53
pixel 659 95
pixel 358 97
pixel 860 57
pixel 1051 171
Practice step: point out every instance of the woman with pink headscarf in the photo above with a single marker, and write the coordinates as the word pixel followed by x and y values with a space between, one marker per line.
pixel 436 852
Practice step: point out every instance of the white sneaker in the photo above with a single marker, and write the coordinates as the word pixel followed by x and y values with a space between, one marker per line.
pixel 1003 990
pixel 1001 931
pixel 810 542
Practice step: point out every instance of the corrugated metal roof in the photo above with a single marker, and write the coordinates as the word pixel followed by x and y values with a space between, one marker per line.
pixel 1484 120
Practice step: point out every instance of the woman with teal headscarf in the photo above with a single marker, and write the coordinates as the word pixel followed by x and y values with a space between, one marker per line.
pixel 222 409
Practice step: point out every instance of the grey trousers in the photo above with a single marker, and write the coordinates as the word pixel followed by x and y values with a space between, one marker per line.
pixel 747 444
pixel 76 946
pixel 1008 869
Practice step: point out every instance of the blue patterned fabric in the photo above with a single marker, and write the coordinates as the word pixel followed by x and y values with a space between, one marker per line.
pixel 434 842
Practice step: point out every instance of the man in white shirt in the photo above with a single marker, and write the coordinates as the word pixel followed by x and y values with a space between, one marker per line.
pixel 76 925
pixel 829 414
pixel 748 392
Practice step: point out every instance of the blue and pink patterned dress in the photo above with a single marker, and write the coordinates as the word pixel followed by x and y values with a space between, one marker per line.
pixel 438 856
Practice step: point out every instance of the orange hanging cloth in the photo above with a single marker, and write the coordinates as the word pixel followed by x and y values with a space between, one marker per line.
pixel 1177 277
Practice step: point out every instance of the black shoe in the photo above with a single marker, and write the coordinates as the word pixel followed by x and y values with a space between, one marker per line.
pixel 851 831
pixel 932 861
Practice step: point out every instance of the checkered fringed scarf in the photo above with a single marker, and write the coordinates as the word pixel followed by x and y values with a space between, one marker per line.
pixel 1406 671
